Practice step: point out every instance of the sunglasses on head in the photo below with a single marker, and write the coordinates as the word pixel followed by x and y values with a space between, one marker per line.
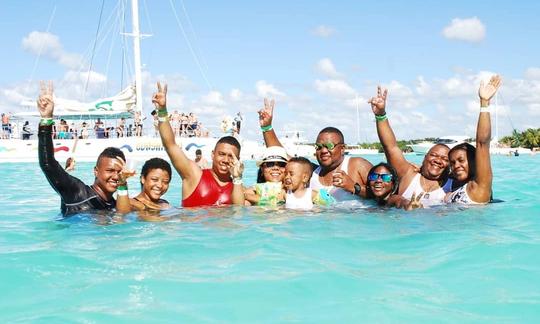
pixel 385 177
pixel 329 146
pixel 272 164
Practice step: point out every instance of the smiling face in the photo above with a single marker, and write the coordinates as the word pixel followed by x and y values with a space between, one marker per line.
pixel 155 184
pixel 459 165
pixel 223 158
pixel 379 187
pixel 435 162
pixel 273 171
pixel 296 176
pixel 330 159
pixel 106 172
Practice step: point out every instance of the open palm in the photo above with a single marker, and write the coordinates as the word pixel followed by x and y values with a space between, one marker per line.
pixel 487 91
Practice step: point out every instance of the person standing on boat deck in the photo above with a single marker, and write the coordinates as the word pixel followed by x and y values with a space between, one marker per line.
pixel 200 160
pixel 26 131
pixel 75 195
pixel 344 178
pixel 219 185
pixel 470 166
pixel 431 182
pixel 238 121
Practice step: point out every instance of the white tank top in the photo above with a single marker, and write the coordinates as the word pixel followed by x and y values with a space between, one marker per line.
pixel 338 193
pixel 432 198
pixel 460 196
pixel 304 202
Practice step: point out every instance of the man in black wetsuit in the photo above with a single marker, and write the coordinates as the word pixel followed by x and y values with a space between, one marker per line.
pixel 76 196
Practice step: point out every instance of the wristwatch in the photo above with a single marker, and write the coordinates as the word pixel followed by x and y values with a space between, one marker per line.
pixel 357 189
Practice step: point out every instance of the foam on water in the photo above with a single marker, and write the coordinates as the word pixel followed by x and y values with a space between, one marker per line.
pixel 247 264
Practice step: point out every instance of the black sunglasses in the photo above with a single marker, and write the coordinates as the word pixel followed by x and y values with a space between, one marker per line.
pixel 272 164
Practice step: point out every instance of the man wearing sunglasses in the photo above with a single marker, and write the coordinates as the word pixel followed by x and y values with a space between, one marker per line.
pixel 344 178
pixel 431 181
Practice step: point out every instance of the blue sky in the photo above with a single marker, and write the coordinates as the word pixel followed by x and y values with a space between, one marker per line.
pixel 313 57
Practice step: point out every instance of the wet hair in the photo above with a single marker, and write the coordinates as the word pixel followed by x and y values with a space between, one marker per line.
pixel 229 140
pixel 333 130
pixel 111 152
pixel 471 157
pixel 68 162
pixel 395 183
pixel 155 163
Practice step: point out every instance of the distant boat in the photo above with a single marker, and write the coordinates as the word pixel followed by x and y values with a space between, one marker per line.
pixel 450 141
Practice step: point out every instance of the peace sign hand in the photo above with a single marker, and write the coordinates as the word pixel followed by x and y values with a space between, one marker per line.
pixel 45 102
pixel 486 92
pixel 266 113
pixel 236 168
pixel 378 103
pixel 159 99
pixel 415 202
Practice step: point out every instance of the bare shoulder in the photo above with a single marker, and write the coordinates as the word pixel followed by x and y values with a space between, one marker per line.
pixel 359 164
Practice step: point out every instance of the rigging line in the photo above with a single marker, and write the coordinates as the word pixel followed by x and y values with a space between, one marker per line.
pixel 148 17
pixel 193 32
pixel 104 91
pixel 94 49
pixel 122 42
pixel 189 46
pixel 36 62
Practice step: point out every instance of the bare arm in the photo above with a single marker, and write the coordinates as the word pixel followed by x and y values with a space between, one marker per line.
pixel 236 170
pixel 188 170
pixel 123 203
pixel 386 134
pixel 479 188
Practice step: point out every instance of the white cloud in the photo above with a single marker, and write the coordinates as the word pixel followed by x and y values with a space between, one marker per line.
pixel 469 30
pixel 532 73
pixel 335 88
pixel 324 31
pixel 213 98
pixel 422 87
pixel 49 45
pixel 82 77
pixel 235 94
pixel 265 90
pixel 326 67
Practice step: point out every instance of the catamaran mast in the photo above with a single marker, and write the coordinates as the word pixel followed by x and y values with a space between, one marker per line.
pixel 137 52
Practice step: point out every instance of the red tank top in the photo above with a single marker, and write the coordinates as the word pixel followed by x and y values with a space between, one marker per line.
pixel 209 193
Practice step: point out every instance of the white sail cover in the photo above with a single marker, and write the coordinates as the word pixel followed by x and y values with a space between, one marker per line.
pixel 121 105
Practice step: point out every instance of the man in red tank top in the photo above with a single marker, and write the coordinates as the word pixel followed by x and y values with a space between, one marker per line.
pixel 220 185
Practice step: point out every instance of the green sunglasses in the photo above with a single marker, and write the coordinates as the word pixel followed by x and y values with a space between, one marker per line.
pixel 329 146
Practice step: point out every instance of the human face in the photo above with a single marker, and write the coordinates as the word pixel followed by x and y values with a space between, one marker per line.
pixel 273 171
pixel 435 162
pixel 106 172
pixel 379 187
pixel 329 158
pixel 295 176
pixel 459 165
pixel 223 158
pixel 155 184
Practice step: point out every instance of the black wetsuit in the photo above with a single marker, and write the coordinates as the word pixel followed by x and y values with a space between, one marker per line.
pixel 76 196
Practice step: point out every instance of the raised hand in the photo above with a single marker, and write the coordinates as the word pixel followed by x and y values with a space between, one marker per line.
pixel 487 91
pixel 378 103
pixel 45 102
pixel 236 168
pixel 266 114
pixel 415 202
pixel 159 99
pixel 125 173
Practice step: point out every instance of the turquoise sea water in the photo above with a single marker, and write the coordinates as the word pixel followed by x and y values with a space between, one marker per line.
pixel 446 264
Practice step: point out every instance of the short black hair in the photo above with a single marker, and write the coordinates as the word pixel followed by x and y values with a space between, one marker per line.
pixel 395 182
pixel 111 152
pixel 334 130
pixel 198 151
pixel 229 140
pixel 304 162
pixel 156 163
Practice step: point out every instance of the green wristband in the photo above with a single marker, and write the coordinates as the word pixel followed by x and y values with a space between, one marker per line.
pixel 46 122
pixel 266 128
pixel 162 113
pixel 124 187
pixel 381 117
